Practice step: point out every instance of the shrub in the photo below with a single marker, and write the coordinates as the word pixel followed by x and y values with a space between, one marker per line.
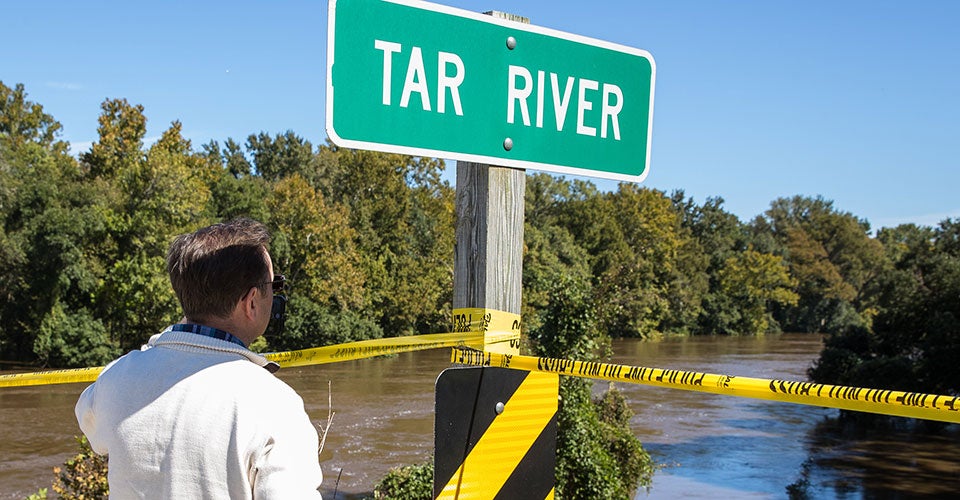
pixel 597 454
pixel 83 477
pixel 634 463
pixel 311 325
pixel 413 482
pixel 584 468
pixel 73 339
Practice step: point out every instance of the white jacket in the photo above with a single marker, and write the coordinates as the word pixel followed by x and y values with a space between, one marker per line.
pixel 196 417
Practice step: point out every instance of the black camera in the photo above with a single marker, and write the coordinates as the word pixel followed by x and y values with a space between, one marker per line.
pixel 278 316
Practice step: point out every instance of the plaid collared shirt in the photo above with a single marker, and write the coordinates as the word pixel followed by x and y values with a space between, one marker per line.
pixel 206 331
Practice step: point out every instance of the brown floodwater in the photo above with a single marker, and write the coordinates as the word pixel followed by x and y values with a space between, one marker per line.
pixel 709 446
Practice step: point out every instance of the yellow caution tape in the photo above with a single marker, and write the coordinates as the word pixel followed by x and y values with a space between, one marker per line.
pixel 72 376
pixel 483 320
pixel 886 402
pixel 491 323
pixel 378 347
pixel 313 356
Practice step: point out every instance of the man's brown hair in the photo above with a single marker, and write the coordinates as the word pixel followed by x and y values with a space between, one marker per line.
pixel 212 268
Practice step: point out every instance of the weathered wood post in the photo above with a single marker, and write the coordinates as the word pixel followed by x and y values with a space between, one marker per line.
pixel 488 262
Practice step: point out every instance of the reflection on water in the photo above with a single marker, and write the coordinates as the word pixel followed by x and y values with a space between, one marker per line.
pixel 711 446
pixel 894 461
pixel 714 446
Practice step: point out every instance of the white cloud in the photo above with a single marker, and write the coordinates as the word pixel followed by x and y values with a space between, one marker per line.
pixel 79 147
pixel 64 85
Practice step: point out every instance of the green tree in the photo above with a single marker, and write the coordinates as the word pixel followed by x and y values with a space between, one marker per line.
pixel 163 195
pixel 403 217
pixel 314 245
pixel 312 325
pixel 23 121
pixel 277 157
pixel 546 199
pixel 634 237
pixel 151 197
pixel 51 228
pixel 753 281
pixel 72 339
pixel 718 236
pixel 550 251
pixel 235 161
pixel 914 342
pixel 120 144
pixel 58 280
pixel 597 455
pixel 234 190
pixel 550 254
pixel 157 195
pixel 832 257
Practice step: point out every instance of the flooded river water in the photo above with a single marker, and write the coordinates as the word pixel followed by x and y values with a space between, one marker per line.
pixel 709 446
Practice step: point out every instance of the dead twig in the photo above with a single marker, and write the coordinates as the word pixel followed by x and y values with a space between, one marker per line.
pixel 324 429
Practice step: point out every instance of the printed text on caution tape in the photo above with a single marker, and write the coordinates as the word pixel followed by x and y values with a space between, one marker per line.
pixel 887 402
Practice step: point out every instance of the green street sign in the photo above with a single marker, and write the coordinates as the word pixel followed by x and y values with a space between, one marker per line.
pixel 411 77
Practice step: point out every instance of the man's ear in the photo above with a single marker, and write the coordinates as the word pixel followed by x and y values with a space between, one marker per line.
pixel 249 302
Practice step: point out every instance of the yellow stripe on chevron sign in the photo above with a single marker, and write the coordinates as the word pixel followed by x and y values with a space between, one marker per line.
pixel 495 434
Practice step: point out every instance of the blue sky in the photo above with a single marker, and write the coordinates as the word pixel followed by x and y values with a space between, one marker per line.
pixel 857 101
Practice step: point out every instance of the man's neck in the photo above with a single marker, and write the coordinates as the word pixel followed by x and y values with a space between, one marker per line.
pixel 224 324
pixel 208 331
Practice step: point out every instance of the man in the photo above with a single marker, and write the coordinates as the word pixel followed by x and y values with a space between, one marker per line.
pixel 194 413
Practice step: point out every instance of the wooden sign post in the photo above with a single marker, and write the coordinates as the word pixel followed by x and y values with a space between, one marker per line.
pixel 488 261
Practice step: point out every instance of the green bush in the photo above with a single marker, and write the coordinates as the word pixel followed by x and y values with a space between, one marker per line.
pixel 413 482
pixel 597 454
pixel 584 467
pixel 83 477
pixel 635 466
pixel 73 339
pixel 312 325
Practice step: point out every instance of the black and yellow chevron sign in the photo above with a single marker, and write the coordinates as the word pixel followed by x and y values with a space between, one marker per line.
pixel 495 434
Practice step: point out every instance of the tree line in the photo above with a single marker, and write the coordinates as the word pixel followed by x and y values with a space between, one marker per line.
pixel 366 239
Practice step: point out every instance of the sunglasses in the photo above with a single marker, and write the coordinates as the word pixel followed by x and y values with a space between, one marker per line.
pixel 278 284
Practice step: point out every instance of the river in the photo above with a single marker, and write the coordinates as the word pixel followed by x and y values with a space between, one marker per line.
pixel 709 446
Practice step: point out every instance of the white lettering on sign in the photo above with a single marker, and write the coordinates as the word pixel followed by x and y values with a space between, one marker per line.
pixel 609 111
pixel 416 81
pixel 451 83
pixel 519 95
pixel 583 105
pixel 561 101
pixel 520 87
pixel 388 49
pixel 416 77
pixel 539 100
